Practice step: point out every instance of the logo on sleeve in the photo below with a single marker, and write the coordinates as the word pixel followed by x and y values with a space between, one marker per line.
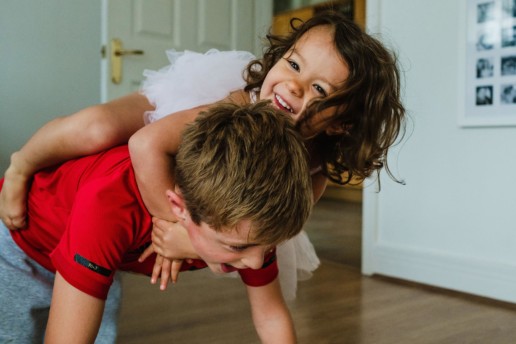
pixel 92 266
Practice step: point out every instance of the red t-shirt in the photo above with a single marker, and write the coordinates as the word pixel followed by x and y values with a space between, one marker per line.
pixel 86 219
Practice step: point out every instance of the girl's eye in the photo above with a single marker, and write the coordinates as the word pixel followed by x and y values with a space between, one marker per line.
pixel 294 65
pixel 320 90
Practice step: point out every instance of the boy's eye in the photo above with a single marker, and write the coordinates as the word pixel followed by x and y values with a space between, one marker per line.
pixel 238 248
pixel 294 65
pixel 320 90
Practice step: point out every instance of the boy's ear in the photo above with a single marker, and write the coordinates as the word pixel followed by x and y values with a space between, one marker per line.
pixel 177 204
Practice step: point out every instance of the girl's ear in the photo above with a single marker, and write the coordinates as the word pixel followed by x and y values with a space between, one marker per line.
pixel 177 204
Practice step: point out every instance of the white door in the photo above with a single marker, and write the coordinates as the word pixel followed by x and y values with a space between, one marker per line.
pixel 153 26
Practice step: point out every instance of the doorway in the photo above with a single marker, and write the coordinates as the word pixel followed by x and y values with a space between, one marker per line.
pixel 335 227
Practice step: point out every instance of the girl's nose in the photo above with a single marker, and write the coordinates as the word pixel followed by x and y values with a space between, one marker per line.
pixel 295 88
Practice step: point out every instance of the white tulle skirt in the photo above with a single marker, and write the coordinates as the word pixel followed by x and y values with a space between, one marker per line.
pixel 194 79
pixel 297 260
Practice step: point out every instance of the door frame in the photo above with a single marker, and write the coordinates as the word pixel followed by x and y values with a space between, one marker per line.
pixel 104 66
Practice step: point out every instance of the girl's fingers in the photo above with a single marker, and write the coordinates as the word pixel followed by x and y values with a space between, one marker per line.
pixel 148 251
pixel 170 271
pixel 160 223
pixel 175 269
pixel 161 227
pixel 165 274
pixel 156 270
pixel 13 222
pixel 18 222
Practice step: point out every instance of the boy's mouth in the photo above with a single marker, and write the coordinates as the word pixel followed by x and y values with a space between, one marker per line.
pixel 227 268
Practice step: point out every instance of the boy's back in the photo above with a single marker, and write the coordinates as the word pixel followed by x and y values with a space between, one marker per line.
pixel 87 220
pixel 98 197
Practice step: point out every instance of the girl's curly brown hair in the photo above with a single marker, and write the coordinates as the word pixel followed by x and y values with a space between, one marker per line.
pixel 368 106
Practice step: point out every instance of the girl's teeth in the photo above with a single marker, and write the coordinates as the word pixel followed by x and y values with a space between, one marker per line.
pixel 283 103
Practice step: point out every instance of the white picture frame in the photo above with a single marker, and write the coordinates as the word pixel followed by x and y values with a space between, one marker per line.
pixel 490 85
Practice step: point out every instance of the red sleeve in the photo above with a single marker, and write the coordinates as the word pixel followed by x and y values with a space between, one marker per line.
pixel 105 221
pixel 263 276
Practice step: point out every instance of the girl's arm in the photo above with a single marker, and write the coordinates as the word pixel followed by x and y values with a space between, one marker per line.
pixel 271 316
pixel 150 149
pixel 86 132
pixel 319 182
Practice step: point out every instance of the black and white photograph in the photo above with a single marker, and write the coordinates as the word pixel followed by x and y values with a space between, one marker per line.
pixel 484 95
pixel 486 38
pixel 509 8
pixel 508 94
pixel 485 67
pixel 485 12
pixel 508 65
pixel 509 36
pixel 490 74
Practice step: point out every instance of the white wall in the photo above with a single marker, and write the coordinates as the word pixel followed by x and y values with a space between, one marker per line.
pixel 49 65
pixel 453 224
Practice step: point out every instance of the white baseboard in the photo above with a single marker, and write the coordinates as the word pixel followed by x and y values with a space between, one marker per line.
pixel 496 280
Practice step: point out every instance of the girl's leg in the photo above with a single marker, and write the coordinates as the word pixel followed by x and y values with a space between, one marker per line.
pixel 25 294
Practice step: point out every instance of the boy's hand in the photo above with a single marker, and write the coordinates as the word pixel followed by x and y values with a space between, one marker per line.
pixel 13 198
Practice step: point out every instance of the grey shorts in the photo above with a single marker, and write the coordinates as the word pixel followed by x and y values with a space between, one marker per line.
pixel 25 295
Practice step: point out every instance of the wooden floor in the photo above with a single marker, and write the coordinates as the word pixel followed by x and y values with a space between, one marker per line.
pixel 338 305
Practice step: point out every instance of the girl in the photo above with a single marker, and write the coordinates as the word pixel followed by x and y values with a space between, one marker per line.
pixel 339 84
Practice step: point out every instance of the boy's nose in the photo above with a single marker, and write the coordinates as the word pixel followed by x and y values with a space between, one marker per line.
pixel 254 260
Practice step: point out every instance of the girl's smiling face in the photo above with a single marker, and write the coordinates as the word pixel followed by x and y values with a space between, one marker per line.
pixel 312 68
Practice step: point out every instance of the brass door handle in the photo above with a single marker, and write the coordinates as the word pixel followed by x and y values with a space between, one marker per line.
pixel 117 52
pixel 128 52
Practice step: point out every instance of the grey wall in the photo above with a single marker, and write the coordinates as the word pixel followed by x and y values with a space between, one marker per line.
pixel 49 64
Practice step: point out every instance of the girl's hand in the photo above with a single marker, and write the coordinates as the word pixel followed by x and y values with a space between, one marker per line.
pixel 13 199
pixel 171 240
pixel 167 268
pixel 172 245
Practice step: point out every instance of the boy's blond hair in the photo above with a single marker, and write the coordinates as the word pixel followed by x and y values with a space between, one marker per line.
pixel 245 163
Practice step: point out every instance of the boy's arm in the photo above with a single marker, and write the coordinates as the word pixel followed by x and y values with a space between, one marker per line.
pixel 86 132
pixel 75 316
pixel 271 316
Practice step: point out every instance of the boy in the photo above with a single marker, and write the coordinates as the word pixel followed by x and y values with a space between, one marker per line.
pixel 242 186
